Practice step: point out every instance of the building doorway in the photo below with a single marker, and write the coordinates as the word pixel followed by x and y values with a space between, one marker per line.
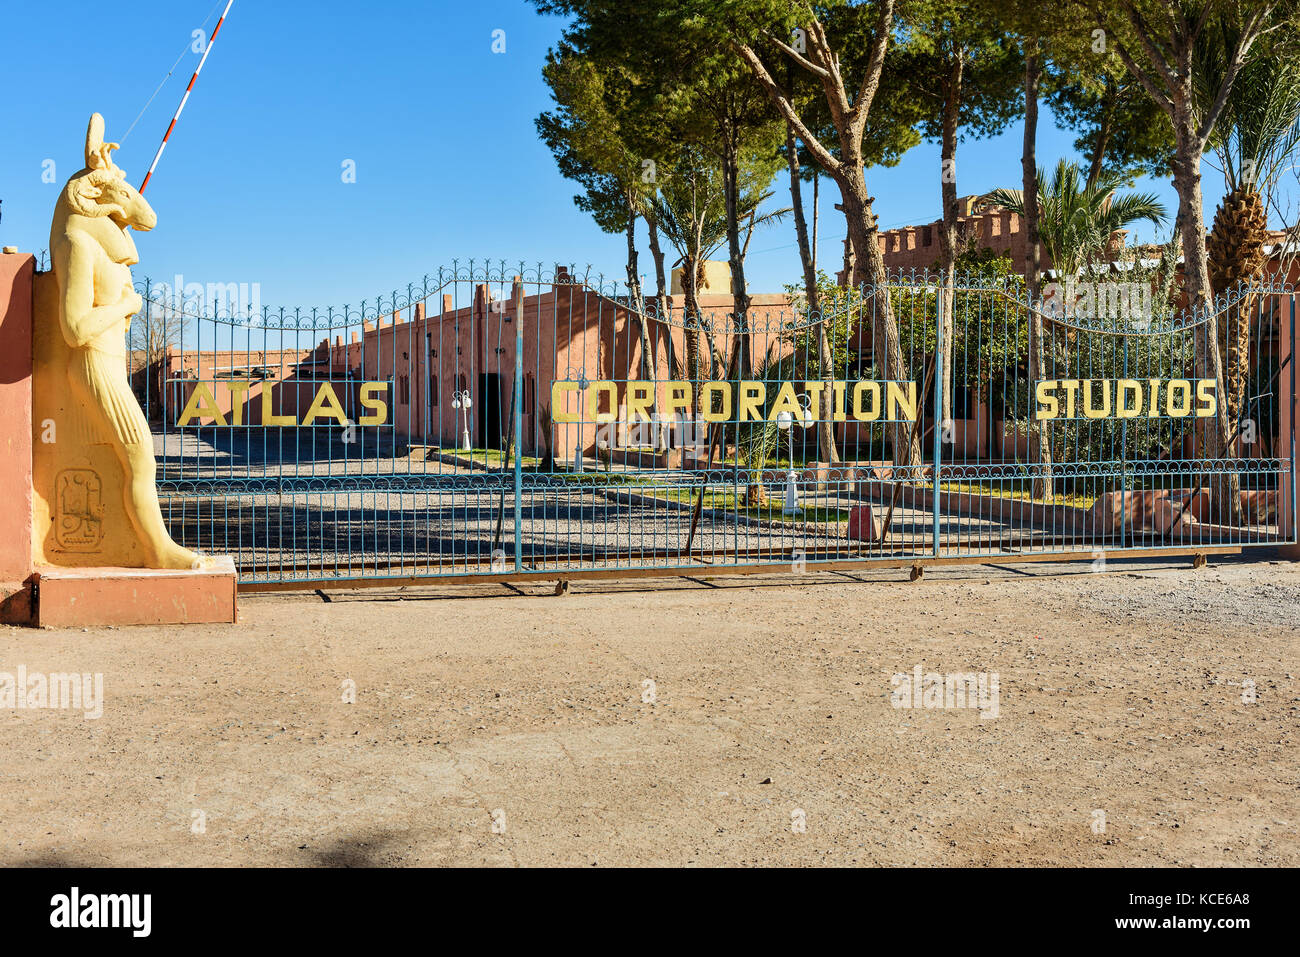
pixel 489 409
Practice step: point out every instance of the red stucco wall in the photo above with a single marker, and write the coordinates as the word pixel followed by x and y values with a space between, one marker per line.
pixel 17 274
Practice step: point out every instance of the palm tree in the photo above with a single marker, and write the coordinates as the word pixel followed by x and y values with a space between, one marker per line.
pixel 1077 219
pixel 1254 140
pixel 755 441
pixel 1078 213
pixel 1257 133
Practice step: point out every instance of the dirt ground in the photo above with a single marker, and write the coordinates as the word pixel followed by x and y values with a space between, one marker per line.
pixel 492 727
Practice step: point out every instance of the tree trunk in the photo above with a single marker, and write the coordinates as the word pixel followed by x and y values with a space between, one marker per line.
pixel 1236 260
pixel 800 223
pixel 1042 484
pixel 817 182
pixel 662 314
pixel 1190 224
pixel 635 298
pixel 1105 124
pixel 661 293
pixel 850 257
pixel 948 236
pixel 690 327
pixel 740 362
pixel 869 269
pixel 1029 171
pixel 637 314
pixel 740 358
pixel 826 424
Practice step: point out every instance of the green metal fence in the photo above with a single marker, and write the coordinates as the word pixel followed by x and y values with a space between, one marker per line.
pixel 510 422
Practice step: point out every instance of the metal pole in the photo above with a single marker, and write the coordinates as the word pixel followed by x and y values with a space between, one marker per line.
pixel 791 494
pixel 939 320
pixel 1291 356
pixel 1123 461
pixel 519 422
pixel 185 99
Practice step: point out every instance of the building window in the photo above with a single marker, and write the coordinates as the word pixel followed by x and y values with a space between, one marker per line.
pixel 927 236
pixel 405 384
pixel 433 391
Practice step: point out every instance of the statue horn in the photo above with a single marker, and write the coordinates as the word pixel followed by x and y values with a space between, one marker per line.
pixel 94 141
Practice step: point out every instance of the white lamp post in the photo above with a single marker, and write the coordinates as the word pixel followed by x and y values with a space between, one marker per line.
pixel 785 422
pixel 581 379
pixel 462 401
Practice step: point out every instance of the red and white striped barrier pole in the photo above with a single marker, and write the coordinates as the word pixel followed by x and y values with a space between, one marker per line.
pixel 206 50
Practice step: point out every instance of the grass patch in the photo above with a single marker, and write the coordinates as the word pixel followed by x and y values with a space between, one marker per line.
pixel 495 458
pixel 729 500
pixel 1019 489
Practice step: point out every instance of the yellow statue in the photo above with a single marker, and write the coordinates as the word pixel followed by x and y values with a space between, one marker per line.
pixel 92 253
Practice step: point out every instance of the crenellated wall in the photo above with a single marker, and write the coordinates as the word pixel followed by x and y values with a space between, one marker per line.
pixel 917 247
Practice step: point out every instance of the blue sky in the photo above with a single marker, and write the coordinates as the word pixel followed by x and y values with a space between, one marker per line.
pixel 448 165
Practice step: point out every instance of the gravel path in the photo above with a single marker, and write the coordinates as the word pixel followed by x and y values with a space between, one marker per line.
pixel 1120 693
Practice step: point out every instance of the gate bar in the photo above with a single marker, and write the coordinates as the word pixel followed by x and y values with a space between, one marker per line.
pixel 938 373
pixel 714 571
pixel 519 420
pixel 1291 401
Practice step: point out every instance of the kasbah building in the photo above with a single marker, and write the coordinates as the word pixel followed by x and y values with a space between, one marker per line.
pixel 428 355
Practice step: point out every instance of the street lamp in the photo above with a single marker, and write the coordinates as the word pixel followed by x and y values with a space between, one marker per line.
pixel 785 421
pixel 581 379
pixel 462 401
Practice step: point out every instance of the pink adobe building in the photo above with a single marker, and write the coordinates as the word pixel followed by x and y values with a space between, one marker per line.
pixel 917 247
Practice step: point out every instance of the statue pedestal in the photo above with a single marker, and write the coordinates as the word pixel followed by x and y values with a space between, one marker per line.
pixel 84 597
pixel 61 547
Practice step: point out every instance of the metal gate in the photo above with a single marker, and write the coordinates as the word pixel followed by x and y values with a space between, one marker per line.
pixel 504 423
